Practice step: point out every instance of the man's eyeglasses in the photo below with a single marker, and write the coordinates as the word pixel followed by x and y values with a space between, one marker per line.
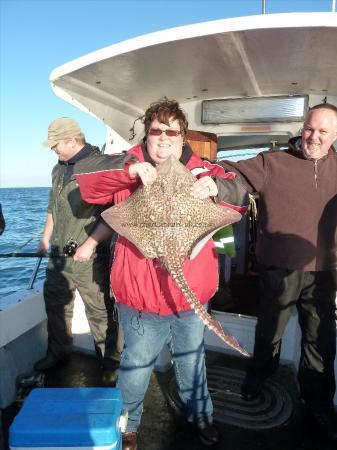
pixel 169 133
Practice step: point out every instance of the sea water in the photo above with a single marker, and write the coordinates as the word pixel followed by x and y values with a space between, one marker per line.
pixel 25 212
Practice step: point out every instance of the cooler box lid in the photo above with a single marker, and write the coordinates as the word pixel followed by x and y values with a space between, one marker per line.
pixel 68 417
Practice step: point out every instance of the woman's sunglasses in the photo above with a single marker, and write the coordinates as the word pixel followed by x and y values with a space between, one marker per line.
pixel 157 132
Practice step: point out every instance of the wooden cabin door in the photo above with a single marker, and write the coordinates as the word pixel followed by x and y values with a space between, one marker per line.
pixel 203 144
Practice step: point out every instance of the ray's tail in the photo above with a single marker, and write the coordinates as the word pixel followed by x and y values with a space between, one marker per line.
pixel 174 269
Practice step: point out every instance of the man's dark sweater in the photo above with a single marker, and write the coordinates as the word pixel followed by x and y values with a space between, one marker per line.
pixel 297 217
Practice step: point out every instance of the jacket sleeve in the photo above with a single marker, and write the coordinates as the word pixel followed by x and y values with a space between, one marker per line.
pixel 54 181
pixel 50 201
pixel 231 191
pixel 252 172
pixel 101 178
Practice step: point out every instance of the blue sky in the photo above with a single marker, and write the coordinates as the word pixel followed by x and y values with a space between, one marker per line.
pixel 37 36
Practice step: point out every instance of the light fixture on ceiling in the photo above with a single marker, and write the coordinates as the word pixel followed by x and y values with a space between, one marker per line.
pixel 255 109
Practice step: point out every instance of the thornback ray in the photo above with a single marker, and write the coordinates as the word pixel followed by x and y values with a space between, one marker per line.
pixel 166 222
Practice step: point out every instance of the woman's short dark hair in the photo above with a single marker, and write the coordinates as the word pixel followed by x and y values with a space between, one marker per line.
pixel 163 110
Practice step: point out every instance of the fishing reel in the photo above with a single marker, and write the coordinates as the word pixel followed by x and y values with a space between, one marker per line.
pixel 70 248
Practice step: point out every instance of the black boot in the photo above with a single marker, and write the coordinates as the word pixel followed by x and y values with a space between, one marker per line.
pixel 326 423
pixel 110 372
pixel 50 361
pixel 109 377
pixel 251 387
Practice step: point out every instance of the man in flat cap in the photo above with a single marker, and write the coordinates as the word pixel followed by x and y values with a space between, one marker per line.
pixel 79 247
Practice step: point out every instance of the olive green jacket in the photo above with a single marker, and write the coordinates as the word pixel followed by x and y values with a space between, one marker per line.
pixel 73 218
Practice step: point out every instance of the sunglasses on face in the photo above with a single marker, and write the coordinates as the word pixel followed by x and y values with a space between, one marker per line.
pixel 169 133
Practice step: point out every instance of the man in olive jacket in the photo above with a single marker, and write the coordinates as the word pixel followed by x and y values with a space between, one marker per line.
pixel 297 252
pixel 79 246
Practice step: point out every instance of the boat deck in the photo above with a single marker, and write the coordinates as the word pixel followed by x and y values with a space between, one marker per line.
pixel 277 422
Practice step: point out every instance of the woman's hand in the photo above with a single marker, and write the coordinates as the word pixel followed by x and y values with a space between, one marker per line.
pixel 203 188
pixel 145 171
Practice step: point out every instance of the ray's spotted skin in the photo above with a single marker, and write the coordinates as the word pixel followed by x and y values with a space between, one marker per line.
pixel 164 221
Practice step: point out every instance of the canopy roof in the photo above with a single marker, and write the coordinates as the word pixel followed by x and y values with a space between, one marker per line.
pixel 273 54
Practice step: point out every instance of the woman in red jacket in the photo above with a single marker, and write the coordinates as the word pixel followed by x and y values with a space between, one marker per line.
pixel 152 309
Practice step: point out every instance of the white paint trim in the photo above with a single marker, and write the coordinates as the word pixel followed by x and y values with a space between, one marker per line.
pixel 20 312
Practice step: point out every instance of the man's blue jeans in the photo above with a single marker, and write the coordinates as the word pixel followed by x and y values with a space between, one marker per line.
pixel 144 337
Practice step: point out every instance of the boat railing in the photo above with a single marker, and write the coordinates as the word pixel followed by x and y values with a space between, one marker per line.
pixel 34 273
pixel 39 257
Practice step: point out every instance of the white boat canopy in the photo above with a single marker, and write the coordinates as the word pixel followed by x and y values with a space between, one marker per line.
pixel 256 56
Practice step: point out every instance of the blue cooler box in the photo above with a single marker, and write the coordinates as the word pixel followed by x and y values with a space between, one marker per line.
pixel 68 418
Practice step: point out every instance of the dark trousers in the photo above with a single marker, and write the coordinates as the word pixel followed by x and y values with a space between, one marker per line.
pixel 91 279
pixel 313 294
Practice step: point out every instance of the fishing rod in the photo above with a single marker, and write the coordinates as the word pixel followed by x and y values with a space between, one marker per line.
pixel 36 255
pixel 68 250
pixel 27 255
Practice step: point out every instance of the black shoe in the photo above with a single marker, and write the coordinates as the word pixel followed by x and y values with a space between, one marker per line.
pixel 326 423
pixel 109 377
pixel 50 361
pixel 251 388
pixel 209 435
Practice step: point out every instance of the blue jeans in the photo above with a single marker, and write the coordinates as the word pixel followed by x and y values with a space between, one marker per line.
pixel 144 337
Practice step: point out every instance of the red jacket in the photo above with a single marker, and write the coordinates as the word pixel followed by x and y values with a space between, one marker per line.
pixel 141 283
